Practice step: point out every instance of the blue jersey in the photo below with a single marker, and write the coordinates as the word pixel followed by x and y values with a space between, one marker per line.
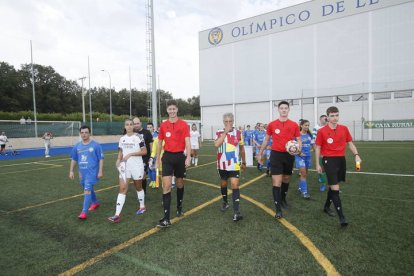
pixel 259 136
pixel 307 143
pixel 248 136
pixel 88 157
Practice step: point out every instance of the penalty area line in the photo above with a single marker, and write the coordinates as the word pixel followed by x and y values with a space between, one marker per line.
pixel 55 201
pixel 316 253
pixel 144 235
pixel 32 170
pixel 134 240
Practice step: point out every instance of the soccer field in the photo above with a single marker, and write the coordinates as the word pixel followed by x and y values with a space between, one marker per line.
pixel 41 234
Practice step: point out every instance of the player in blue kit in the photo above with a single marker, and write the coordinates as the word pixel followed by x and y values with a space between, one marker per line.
pixel 248 136
pixel 304 159
pixel 89 156
pixel 268 151
pixel 258 137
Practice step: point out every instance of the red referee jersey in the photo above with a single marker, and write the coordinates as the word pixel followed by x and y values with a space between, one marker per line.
pixel 281 133
pixel 174 135
pixel 333 141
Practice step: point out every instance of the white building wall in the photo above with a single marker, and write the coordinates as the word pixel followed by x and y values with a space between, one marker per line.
pixel 358 53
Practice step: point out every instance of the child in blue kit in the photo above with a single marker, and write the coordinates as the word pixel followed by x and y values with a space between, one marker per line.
pixel 304 160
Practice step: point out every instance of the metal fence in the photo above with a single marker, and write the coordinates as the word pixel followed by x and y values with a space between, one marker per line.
pixel 14 129
pixel 382 130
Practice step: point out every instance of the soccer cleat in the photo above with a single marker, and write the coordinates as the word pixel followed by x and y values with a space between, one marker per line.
pixel 284 204
pixel 237 217
pixel 306 196
pixel 343 222
pixel 322 188
pixel 82 216
pixel 141 211
pixel 328 211
pixel 224 206
pixel 164 223
pixel 259 167
pixel 268 172
pixel 279 215
pixel 115 219
pixel 180 212
pixel 94 206
pixel 299 191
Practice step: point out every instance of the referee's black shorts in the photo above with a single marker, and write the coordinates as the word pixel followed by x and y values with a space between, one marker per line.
pixel 173 164
pixel 281 163
pixel 335 169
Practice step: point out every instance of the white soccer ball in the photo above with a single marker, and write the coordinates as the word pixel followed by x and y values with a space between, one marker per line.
pixel 292 147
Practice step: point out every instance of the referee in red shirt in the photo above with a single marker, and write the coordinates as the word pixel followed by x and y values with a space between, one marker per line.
pixel 282 130
pixel 331 143
pixel 175 134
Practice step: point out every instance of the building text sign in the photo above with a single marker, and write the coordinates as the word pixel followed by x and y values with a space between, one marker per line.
pixel 292 17
pixel 389 124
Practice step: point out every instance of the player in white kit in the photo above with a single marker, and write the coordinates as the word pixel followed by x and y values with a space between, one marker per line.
pixel 195 141
pixel 131 148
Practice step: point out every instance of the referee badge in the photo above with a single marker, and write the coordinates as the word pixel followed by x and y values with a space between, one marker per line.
pixel 168 134
pixel 277 131
pixel 330 140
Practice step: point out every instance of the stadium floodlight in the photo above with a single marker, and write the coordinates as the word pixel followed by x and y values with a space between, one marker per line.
pixel 83 100
pixel 110 95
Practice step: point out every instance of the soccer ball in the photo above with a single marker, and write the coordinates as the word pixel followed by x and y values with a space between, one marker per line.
pixel 292 147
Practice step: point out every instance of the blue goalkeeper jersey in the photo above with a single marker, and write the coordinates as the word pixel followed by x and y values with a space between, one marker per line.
pixel 88 157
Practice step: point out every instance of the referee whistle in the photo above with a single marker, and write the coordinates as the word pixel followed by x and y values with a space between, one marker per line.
pixel 358 166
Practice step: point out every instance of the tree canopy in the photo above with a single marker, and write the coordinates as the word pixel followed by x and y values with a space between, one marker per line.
pixel 56 94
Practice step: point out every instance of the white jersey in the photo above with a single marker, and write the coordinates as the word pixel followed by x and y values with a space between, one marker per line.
pixel 47 137
pixel 194 137
pixel 3 139
pixel 130 144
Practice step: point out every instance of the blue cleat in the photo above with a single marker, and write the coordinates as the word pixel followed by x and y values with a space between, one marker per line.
pixel 141 211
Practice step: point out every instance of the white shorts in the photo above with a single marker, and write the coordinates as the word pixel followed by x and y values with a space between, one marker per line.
pixel 136 172
pixel 195 146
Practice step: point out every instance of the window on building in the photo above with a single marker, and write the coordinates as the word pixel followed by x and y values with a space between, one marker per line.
pixel 382 96
pixel 325 100
pixel 307 101
pixel 342 99
pixel 359 97
pixel 403 94
pixel 293 102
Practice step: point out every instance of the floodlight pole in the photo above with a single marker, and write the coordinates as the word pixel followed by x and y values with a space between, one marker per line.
pixel 90 97
pixel 110 95
pixel 83 100
pixel 33 89
pixel 130 94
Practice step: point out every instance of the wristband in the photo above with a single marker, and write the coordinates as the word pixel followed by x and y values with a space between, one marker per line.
pixel 244 163
pixel 356 154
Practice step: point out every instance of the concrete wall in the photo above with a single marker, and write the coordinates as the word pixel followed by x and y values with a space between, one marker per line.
pixel 22 143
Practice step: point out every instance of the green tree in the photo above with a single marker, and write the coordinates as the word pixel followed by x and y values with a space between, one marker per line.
pixel 9 87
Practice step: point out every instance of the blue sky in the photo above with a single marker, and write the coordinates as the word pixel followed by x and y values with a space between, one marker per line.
pixel 112 34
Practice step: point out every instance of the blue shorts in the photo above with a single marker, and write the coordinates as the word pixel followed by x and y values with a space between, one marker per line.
pixel 303 162
pixel 267 153
pixel 88 182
